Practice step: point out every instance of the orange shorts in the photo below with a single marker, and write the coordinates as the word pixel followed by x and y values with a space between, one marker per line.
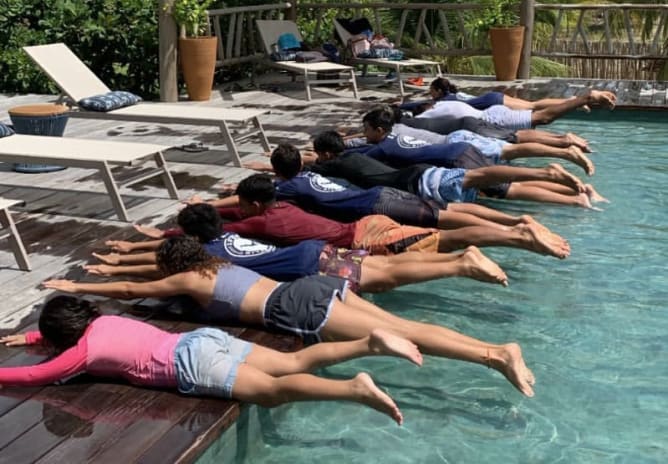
pixel 383 236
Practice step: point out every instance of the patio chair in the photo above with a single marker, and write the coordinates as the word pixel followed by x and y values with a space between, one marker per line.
pixel 396 66
pixel 76 82
pixel 12 233
pixel 90 154
pixel 271 30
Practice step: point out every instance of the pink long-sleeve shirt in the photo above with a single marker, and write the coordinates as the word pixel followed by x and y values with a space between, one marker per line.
pixel 111 346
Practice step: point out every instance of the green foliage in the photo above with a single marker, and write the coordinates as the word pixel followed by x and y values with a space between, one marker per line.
pixel 497 13
pixel 483 66
pixel 191 15
pixel 117 39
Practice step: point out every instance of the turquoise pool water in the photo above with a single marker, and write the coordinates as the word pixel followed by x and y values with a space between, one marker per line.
pixel 594 328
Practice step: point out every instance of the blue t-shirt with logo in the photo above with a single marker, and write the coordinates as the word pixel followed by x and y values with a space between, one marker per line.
pixel 404 150
pixel 278 263
pixel 328 197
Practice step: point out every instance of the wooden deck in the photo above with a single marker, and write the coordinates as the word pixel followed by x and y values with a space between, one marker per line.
pixel 66 217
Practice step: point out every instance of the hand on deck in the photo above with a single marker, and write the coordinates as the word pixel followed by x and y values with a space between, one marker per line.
pixel 258 166
pixel 113 259
pixel 151 232
pixel 99 269
pixel 14 340
pixel 67 286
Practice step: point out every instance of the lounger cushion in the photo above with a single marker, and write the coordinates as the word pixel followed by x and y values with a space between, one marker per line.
pixel 5 130
pixel 109 101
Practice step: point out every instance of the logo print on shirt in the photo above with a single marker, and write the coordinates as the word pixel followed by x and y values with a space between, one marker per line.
pixel 323 184
pixel 240 247
pixel 406 141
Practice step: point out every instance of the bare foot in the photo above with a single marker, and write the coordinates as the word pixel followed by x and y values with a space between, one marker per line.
pixel 594 196
pixel 382 342
pixel 113 259
pixel 366 392
pixel 603 98
pixel 546 243
pixel 508 360
pixel 559 175
pixel 578 141
pixel 528 219
pixel 576 156
pixel 480 267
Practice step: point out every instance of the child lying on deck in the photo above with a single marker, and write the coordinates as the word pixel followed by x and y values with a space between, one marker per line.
pixel 202 362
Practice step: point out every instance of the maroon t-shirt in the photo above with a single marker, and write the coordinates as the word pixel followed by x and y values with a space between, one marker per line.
pixel 286 224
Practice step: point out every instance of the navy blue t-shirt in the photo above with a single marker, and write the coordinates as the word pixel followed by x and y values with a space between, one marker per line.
pixel 284 264
pixel 328 197
pixel 404 150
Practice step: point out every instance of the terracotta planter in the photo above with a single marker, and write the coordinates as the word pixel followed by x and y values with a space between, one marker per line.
pixel 506 51
pixel 198 62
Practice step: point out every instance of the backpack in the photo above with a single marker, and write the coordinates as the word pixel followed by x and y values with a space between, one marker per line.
pixel 359 44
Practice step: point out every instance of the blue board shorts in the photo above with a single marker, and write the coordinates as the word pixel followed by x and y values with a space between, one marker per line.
pixel 207 361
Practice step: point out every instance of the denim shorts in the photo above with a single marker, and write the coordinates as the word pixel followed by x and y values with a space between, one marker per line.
pixel 446 185
pixel 207 361
pixel 490 147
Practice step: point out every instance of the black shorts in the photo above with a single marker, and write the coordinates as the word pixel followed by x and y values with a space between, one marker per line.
pixel 302 307
pixel 406 208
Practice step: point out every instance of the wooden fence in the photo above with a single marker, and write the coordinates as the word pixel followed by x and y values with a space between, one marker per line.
pixel 607 41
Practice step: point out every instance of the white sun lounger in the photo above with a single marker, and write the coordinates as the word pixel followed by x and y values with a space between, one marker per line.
pixel 12 233
pixel 396 66
pixel 90 154
pixel 270 30
pixel 77 81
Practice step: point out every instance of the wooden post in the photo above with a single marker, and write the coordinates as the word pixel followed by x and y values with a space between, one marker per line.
pixel 527 11
pixel 168 44
pixel 292 11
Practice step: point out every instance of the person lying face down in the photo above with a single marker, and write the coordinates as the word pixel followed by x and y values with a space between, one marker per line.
pixel 315 308
pixel 207 361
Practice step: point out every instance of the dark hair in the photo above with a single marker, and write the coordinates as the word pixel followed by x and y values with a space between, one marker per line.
pixel 201 220
pixel 329 142
pixel 64 320
pixel 258 187
pixel 182 254
pixel 286 160
pixel 382 117
pixel 443 85
pixel 397 113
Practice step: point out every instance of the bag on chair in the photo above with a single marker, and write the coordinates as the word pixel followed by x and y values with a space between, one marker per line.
pixel 359 44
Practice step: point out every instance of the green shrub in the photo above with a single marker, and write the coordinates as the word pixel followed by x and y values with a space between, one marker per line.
pixel 117 39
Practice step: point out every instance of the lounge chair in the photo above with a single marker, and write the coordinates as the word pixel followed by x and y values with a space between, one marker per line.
pixel 90 154
pixel 12 233
pixel 77 81
pixel 270 30
pixel 396 66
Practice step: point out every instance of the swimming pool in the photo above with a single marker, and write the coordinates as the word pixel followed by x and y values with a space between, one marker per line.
pixel 594 328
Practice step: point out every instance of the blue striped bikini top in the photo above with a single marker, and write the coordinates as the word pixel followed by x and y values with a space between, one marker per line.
pixel 232 285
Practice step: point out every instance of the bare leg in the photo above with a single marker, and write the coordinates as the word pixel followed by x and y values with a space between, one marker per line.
pixel 593 97
pixel 492 216
pixel 356 318
pixel 380 273
pixel 493 175
pixel 378 343
pixel 538 150
pixel 530 236
pixel 254 386
pixel 522 191
pixel 520 104
pixel 552 139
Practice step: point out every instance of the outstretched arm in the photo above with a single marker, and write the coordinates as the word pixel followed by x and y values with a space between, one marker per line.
pixel 68 363
pixel 170 286
pixel 142 270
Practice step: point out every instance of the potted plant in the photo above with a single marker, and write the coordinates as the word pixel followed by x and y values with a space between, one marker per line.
pixel 197 53
pixel 501 19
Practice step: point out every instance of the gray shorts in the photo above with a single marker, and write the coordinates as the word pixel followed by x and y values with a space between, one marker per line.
pixel 302 307
pixel 407 208
pixel 207 361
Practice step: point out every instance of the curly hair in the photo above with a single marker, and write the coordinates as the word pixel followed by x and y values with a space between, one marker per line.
pixel 64 319
pixel 183 254
pixel 201 221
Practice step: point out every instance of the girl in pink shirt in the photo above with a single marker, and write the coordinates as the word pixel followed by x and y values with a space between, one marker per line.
pixel 202 362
